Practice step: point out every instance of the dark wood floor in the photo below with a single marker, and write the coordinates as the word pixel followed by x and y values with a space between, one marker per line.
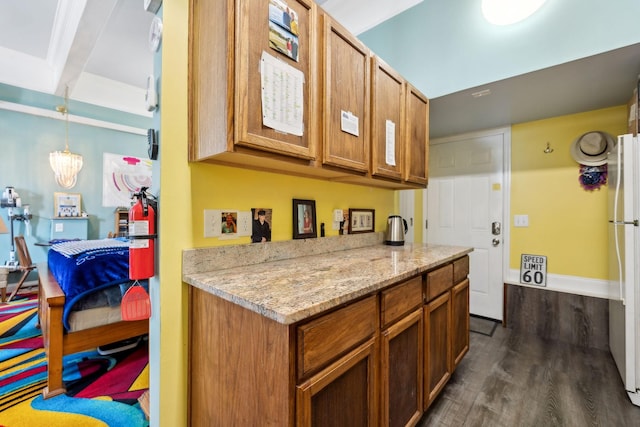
pixel 516 379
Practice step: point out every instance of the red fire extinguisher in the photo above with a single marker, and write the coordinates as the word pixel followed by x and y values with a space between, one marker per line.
pixel 142 229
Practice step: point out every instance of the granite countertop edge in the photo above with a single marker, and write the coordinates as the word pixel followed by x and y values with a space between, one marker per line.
pixel 291 290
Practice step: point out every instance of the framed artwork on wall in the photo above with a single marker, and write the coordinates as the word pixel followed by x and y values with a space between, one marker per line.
pixel 304 219
pixel 362 221
pixel 67 205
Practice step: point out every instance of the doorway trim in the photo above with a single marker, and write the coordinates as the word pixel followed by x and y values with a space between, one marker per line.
pixel 506 196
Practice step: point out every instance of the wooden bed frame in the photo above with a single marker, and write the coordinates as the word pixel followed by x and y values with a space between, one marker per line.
pixel 59 343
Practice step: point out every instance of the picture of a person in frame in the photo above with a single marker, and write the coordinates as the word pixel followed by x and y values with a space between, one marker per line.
pixel 261 231
pixel 305 225
pixel 228 223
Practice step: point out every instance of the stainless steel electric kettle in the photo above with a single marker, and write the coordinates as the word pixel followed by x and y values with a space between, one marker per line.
pixel 396 229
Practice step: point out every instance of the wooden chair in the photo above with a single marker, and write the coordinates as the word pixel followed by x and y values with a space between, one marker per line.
pixel 26 265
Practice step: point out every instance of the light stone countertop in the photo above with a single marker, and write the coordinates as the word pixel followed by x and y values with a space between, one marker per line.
pixel 293 289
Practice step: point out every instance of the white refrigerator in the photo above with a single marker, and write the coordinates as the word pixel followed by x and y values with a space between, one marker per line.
pixel 624 261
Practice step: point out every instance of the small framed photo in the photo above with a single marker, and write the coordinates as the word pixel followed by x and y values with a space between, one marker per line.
pixel 229 223
pixel 67 205
pixel 304 219
pixel 362 221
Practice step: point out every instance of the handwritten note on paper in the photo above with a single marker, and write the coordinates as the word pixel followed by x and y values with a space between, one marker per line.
pixel 282 95
pixel 390 152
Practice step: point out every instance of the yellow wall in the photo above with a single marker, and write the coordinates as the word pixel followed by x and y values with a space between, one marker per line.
pixel 174 222
pixel 222 187
pixel 188 189
pixel 566 223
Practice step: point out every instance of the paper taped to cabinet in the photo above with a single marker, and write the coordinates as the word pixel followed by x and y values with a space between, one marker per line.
pixel 349 123
pixel 282 95
pixel 390 143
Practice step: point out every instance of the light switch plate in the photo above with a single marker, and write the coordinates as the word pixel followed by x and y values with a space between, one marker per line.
pixel 521 220
pixel 244 223
pixel 212 223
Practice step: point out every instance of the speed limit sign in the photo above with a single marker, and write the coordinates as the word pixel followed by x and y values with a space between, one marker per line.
pixel 533 270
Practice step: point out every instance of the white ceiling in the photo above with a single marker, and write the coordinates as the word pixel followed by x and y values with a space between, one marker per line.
pixel 99 49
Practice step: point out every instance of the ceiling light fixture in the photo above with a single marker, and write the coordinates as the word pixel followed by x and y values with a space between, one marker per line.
pixel 507 12
pixel 65 164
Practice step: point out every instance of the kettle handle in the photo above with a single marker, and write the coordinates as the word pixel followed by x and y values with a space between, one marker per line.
pixel 406 227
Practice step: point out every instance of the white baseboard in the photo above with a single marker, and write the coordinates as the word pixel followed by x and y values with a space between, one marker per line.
pixel 569 284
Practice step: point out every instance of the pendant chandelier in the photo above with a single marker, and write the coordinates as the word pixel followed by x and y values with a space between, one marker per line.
pixel 65 164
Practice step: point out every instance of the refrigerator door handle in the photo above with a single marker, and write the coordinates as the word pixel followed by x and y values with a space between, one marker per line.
pixel 635 222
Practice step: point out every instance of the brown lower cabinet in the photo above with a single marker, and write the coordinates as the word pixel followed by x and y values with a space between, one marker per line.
pixel 377 361
pixel 343 394
pixel 446 319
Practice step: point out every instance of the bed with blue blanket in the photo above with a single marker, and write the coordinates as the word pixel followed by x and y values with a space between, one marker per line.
pixel 80 289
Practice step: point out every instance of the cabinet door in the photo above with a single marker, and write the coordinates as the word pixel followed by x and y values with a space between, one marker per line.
pixel 346 98
pixel 417 137
pixel 459 321
pixel 437 346
pixel 402 368
pixel 344 394
pixel 261 30
pixel 387 120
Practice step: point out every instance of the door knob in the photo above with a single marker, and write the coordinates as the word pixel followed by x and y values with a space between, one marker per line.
pixel 495 242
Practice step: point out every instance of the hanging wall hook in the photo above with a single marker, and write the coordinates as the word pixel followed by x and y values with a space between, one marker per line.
pixel 548 150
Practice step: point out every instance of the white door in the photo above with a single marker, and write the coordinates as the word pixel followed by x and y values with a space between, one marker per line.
pixel 465 207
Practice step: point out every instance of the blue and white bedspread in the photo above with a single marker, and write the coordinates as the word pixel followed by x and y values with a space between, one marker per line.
pixel 84 267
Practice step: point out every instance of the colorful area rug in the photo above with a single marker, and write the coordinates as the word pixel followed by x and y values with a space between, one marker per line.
pixel 101 390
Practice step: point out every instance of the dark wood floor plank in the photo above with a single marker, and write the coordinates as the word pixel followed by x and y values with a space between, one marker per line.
pixel 520 379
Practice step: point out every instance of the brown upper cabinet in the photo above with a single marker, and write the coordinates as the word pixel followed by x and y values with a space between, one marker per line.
pixel 346 98
pixel 387 121
pixel 292 91
pixel 417 137
pixel 234 46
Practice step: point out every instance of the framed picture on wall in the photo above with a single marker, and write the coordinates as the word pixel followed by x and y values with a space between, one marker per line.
pixel 304 219
pixel 362 221
pixel 67 205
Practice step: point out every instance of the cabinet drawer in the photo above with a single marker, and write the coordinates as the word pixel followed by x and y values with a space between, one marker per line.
pixel 460 269
pixel 400 299
pixel 438 281
pixel 329 336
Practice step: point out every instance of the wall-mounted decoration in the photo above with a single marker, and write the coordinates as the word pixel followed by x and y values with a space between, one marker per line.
pixel 261 226
pixel 304 219
pixel 533 269
pixel 590 150
pixel 227 223
pixel 67 205
pixel 362 221
pixel 123 175
pixel 592 177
